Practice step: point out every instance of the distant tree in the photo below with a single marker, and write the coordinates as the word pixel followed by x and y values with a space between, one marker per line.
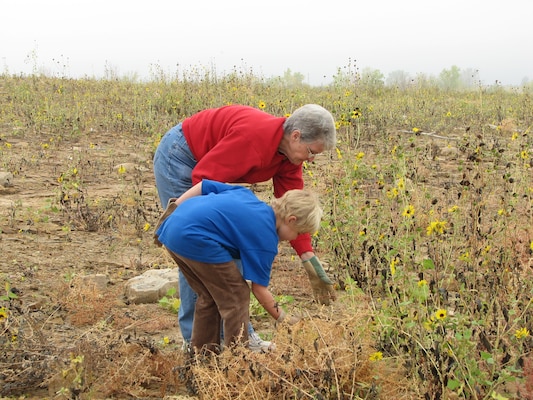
pixel 424 81
pixel 450 79
pixel 372 78
pixel 470 78
pixel 292 79
pixel 399 79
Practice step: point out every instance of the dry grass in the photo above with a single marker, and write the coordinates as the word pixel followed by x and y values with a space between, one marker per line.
pixel 320 357
pixel 326 355
pixel 72 212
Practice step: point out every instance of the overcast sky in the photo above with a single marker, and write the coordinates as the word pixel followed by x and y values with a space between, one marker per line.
pixel 81 37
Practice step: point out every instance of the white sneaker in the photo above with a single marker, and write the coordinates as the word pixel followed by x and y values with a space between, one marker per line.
pixel 258 345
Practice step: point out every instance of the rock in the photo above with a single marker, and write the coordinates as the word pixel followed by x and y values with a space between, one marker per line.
pixel 55 321
pixel 130 171
pixel 6 179
pixel 151 285
pixel 37 302
pixel 449 152
pixel 99 281
pixel 125 168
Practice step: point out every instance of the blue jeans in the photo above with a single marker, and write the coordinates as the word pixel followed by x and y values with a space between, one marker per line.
pixel 173 165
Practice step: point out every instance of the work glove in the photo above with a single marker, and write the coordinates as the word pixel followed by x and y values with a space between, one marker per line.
pixel 171 206
pixel 287 319
pixel 322 286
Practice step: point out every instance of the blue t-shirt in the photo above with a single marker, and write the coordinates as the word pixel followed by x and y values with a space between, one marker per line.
pixel 226 222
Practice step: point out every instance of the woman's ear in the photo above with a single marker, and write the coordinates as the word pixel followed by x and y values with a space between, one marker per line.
pixel 296 135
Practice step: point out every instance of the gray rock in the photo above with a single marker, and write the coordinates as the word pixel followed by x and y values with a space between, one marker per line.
pixel 151 285
pixel 6 179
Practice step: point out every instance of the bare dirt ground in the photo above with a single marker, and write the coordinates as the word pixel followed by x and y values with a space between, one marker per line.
pixel 87 205
pixel 79 207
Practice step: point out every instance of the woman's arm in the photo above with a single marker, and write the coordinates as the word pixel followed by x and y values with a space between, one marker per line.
pixel 196 190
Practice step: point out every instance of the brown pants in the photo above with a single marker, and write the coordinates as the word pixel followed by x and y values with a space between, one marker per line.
pixel 223 297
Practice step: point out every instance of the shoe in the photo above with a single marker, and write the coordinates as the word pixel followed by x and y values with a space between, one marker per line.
pixel 258 345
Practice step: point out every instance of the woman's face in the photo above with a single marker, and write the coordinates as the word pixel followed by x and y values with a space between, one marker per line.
pixel 297 151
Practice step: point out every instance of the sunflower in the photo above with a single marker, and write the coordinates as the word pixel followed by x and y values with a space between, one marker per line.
pixel 409 211
pixel 521 333
pixel 436 227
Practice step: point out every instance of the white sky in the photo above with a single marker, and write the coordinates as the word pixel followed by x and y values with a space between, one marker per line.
pixel 83 37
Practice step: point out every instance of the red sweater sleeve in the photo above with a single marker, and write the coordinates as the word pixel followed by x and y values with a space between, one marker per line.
pixel 302 244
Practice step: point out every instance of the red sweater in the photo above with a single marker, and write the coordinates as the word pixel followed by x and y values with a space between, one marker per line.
pixel 239 144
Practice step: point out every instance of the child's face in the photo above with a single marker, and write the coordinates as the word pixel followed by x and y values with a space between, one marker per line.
pixel 287 229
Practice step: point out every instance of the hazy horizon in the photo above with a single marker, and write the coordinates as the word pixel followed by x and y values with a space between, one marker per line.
pixel 91 38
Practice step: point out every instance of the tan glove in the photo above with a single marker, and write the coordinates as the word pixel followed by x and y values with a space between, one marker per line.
pixel 287 319
pixel 171 206
pixel 322 286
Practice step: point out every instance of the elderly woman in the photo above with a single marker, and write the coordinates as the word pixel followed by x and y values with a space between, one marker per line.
pixel 241 144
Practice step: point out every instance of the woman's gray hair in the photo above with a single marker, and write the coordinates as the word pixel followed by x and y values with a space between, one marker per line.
pixel 315 123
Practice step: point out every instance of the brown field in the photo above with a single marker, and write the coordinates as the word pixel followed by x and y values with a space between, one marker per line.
pixel 56 237
pixel 421 313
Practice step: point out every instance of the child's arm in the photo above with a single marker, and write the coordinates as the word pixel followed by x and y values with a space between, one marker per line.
pixel 265 298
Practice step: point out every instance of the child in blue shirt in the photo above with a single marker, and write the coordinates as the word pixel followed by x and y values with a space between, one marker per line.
pixel 214 224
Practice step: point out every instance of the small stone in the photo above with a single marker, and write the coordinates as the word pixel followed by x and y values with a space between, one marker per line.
pixel 99 281
pixel 37 303
pixel 6 179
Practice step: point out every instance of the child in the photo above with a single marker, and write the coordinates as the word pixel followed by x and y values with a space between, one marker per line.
pixel 213 225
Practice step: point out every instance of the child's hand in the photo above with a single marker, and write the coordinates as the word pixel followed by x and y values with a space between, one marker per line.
pixel 287 318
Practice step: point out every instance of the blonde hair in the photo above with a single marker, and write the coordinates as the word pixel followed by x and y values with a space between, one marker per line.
pixel 302 204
